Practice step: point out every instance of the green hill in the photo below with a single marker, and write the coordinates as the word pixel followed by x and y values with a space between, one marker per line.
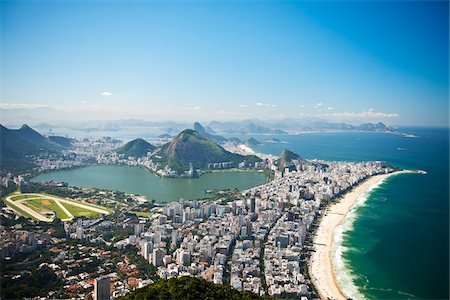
pixel 286 158
pixel 17 145
pixel 136 148
pixel 189 288
pixel 191 147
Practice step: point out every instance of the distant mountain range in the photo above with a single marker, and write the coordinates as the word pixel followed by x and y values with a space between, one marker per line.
pixel 292 126
pixel 16 145
pixel 200 147
pixel 215 129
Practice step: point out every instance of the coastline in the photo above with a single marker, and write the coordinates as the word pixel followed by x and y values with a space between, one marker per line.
pixel 322 265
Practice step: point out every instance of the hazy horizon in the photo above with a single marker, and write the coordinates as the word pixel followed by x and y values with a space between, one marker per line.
pixel 353 62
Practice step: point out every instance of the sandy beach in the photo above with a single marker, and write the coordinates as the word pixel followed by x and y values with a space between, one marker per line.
pixel 321 266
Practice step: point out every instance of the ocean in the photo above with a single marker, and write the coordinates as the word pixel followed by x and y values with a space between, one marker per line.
pixel 395 244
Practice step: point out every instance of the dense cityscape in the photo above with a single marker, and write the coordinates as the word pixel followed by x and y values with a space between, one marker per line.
pixel 257 240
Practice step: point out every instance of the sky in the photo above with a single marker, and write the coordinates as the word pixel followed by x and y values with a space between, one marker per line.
pixel 184 60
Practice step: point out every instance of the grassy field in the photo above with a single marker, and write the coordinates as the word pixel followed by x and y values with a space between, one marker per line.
pixel 43 204
pixel 37 207
pixel 140 213
pixel 85 203
pixel 51 205
pixel 20 197
pixel 79 211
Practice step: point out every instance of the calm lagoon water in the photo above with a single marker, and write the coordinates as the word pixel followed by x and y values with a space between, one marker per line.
pixel 141 181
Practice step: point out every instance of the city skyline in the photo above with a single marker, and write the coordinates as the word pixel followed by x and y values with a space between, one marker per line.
pixel 185 61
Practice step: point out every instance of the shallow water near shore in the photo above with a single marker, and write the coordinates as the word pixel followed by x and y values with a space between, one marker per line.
pixel 398 245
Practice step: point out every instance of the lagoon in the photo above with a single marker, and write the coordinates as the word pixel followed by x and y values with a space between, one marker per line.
pixel 138 180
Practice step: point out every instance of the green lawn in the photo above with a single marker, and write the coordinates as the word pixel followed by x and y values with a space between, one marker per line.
pixel 140 213
pixel 79 211
pixel 54 207
pixel 85 203
pixel 36 206
pixel 20 197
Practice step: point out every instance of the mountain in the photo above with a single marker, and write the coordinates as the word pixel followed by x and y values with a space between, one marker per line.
pixel 192 147
pixel 244 127
pixel 199 128
pixel 252 142
pixel 374 127
pixel 293 126
pixel 16 145
pixel 209 130
pixel 188 287
pixel 216 138
pixel 136 148
pixel 286 158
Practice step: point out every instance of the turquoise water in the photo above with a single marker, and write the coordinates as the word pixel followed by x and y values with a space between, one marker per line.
pixel 398 247
pixel 137 180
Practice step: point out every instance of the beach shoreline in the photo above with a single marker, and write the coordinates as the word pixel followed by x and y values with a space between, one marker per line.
pixel 321 266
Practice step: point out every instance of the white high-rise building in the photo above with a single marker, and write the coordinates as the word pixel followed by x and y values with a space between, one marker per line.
pixel 147 249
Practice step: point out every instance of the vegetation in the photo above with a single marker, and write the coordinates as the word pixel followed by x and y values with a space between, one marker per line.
pixel 189 288
pixel 117 233
pixel 286 158
pixel 192 147
pixel 77 211
pixel 16 145
pixel 136 148
pixel 20 197
pixel 50 204
pixel 140 213
pixel 146 270
pixel 37 282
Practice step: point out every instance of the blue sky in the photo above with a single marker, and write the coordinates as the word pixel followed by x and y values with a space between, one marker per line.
pixel 343 61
